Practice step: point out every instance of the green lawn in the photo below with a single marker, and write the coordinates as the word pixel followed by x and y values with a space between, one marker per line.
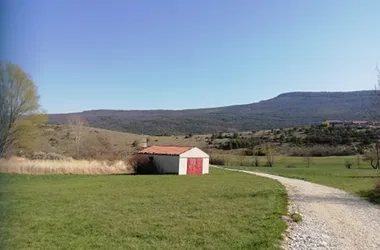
pixel 330 171
pixel 222 210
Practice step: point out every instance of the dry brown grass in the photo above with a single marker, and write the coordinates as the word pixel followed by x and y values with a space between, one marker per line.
pixel 105 144
pixel 25 166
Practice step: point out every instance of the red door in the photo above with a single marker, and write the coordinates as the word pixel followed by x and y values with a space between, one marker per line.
pixel 194 166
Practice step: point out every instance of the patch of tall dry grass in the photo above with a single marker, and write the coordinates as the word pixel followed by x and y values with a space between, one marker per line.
pixel 19 165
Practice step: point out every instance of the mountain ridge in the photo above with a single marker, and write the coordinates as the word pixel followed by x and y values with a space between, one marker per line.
pixel 287 109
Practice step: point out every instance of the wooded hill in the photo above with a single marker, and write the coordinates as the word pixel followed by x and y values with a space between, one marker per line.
pixel 286 110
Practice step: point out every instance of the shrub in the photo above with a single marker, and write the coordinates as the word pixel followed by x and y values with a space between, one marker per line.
pixel 322 151
pixel 348 164
pixel 296 217
pixel 256 161
pixel 240 159
pixel 188 136
pixel 290 166
pixel 259 151
pixel 102 154
pixel 48 156
pixel 239 142
pixel 374 194
pixel 248 152
pixel 377 187
pixel 217 161
pixel 359 149
pixel 142 164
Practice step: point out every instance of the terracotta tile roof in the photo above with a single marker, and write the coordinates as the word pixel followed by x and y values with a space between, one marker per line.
pixel 165 150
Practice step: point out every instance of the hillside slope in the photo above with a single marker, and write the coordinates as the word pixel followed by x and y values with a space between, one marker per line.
pixel 96 142
pixel 286 110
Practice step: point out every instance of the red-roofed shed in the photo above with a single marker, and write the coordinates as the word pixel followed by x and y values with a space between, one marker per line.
pixel 178 159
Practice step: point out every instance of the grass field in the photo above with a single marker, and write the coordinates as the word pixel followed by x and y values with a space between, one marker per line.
pixel 222 210
pixel 330 171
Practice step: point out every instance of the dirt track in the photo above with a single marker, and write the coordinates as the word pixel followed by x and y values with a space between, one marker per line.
pixel 332 218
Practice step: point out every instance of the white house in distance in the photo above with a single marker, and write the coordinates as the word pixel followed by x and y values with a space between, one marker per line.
pixel 178 160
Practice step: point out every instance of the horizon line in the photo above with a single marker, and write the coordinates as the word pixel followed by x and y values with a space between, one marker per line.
pixel 205 108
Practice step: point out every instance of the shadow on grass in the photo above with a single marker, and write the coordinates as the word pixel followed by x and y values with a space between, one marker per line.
pixel 363 176
pixel 261 193
pixel 133 174
pixel 371 195
pixel 340 198
pixel 293 177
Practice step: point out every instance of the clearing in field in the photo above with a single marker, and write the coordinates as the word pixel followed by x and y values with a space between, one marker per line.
pixel 223 210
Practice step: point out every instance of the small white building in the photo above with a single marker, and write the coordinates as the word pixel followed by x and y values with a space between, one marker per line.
pixel 178 160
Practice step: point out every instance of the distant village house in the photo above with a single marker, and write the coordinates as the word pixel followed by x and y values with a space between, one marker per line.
pixel 354 124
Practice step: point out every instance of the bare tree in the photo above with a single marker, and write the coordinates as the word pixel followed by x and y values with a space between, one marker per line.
pixel 377 86
pixel 373 111
pixel 358 160
pixel 270 152
pixel 308 159
pixel 77 127
pixel 256 160
pixel 374 156
pixel 375 115
pixel 240 158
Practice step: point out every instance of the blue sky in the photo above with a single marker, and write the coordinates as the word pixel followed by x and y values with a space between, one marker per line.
pixel 148 54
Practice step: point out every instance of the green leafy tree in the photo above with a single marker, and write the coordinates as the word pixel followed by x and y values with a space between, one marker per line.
pixel 19 108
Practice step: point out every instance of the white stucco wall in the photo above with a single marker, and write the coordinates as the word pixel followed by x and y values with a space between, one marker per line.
pixel 178 164
pixel 182 166
pixel 206 165
pixel 168 164
pixel 193 153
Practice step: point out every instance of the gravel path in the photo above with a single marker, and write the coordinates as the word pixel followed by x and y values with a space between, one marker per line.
pixel 332 219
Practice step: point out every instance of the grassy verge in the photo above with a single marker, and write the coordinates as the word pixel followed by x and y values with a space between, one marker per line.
pixel 222 210
pixel 329 171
